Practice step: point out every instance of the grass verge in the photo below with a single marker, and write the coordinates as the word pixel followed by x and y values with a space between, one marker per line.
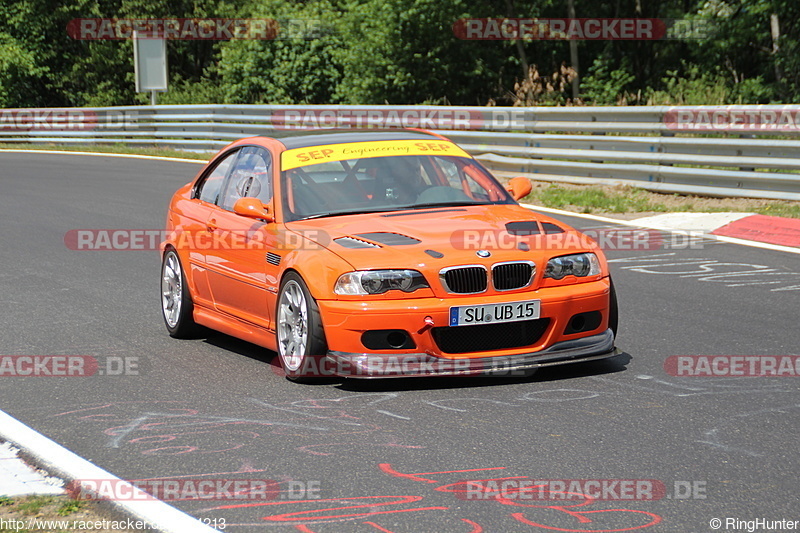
pixel 109 149
pixel 627 200
pixel 52 514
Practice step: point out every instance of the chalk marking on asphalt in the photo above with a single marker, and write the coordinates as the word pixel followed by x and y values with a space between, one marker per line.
pixel 57 459
pixel 387 413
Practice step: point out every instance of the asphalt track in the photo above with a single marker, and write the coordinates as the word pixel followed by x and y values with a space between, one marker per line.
pixel 216 408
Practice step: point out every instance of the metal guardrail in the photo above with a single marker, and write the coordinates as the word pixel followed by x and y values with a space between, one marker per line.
pixel 709 150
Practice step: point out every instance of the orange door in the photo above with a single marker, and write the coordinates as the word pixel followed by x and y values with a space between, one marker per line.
pixel 239 273
pixel 191 218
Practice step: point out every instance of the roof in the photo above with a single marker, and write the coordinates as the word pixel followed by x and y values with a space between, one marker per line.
pixel 319 137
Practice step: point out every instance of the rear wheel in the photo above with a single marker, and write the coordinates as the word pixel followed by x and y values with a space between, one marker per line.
pixel 176 302
pixel 300 336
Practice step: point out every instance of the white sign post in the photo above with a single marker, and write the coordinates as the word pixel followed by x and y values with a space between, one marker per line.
pixel 150 65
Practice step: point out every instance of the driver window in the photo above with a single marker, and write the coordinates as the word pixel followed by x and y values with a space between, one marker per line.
pixel 208 191
pixel 250 177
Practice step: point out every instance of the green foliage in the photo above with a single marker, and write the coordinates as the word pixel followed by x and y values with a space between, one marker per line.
pixel 407 53
pixel 401 52
pixel 604 86
pixel 592 199
pixel 694 88
pixel 780 210
pixel 34 504
pixel 285 70
pixel 69 507
pixel 181 92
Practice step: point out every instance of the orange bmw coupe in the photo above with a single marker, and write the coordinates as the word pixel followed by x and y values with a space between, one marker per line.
pixel 378 254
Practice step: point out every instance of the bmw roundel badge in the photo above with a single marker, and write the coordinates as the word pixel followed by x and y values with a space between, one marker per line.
pixel 483 253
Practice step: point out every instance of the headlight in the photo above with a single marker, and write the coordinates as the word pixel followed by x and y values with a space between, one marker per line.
pixel 580 265
pixel 364 282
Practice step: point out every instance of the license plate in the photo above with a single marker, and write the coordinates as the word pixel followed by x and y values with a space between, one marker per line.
pixel 470 315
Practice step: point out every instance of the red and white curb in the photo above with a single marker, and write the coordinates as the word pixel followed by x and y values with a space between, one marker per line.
pixel 762 228
pixel 705 222
pixel 60 461
pixel 746 226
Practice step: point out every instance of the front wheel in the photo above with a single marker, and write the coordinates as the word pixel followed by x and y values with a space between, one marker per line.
pixel 613 310
pixel 176 302
pixel 300 336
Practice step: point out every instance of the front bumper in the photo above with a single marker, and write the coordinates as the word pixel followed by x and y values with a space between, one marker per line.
pixel 367 365
pixel 423 319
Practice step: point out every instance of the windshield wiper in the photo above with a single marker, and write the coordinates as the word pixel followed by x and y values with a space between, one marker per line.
pixel 350 212
pixel 388 208
pixel 462 203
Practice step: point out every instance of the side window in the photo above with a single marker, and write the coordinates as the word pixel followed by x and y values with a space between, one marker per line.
pixel 208 190
pixel 459 176
pixel 451 172
pixel 250 177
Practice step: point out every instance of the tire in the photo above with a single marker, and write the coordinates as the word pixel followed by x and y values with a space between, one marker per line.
pixel 176 302
pixel 299 332
pixel 613 310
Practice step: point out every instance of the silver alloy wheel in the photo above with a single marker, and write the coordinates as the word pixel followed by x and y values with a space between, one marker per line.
pixel 171 289
pixel 292 325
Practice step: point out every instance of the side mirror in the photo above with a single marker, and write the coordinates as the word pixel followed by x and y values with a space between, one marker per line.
pixel 519 187
pixel 252 208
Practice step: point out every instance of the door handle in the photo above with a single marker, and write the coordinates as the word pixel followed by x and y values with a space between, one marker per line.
pixel 211 225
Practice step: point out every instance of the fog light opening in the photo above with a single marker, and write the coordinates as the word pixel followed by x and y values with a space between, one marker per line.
pixel 396 339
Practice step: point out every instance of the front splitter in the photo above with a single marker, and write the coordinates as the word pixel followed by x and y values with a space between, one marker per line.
pixel 371 366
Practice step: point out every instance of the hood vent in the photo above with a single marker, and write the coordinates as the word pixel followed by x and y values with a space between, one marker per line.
pixel 550 228
pixel 389 239
pixel 352 242
pixel 523 227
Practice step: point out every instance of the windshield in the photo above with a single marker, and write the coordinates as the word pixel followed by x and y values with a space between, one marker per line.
pixel 387 183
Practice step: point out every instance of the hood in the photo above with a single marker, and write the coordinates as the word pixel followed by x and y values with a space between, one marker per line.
pixel 431 239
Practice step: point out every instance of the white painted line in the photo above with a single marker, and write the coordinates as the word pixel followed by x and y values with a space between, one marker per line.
pixel 102 154
pixel 635 224
pixel 60 460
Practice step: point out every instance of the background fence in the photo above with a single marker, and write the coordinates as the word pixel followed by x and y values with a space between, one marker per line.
pixel 749 151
